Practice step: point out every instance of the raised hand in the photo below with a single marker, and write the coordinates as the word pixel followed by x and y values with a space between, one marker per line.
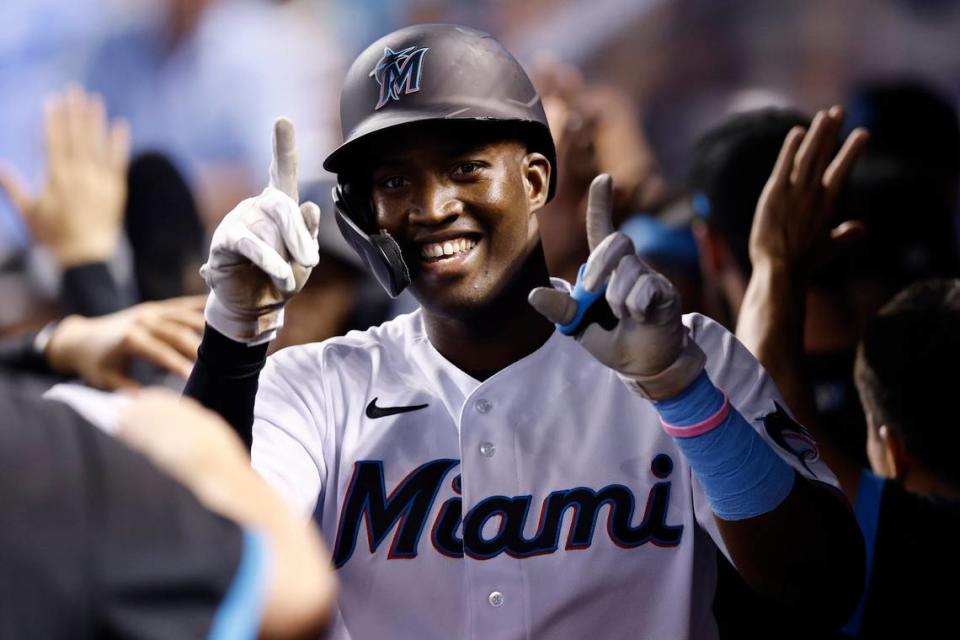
pixel 262 253
pixel 78 213
pixel 793 225
pixel 649 346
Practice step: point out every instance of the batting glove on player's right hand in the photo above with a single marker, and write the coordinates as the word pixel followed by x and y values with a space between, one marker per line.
pixel 649 347
pixel 262 252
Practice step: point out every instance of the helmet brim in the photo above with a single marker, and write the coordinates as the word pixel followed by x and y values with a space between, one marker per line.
pixel 347 157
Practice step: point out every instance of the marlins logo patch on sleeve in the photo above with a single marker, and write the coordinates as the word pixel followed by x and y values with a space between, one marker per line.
pixel 791 436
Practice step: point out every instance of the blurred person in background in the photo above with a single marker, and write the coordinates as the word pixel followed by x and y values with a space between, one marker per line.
pixel 907 506
pixel 77 215
pixel 42 46
pixel 886 247
pixel 163 227
pixel 729 167
pixel 728 170
pixel 193 77
pixel 904 189
pixel 100 351
pixel 91 195
pixel 180 540
pixel 597 130
pixel 196 78
pixel 902 195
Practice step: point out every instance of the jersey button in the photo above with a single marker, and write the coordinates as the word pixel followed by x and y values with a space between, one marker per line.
pixel 483 405
pixel 487 449
pixel 495 599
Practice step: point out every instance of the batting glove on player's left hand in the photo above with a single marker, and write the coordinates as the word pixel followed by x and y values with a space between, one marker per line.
pixel 649 347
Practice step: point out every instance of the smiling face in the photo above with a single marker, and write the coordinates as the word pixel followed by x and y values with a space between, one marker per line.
pixel 462 207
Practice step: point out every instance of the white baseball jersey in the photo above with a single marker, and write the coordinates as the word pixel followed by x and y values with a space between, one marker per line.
pixel 544 502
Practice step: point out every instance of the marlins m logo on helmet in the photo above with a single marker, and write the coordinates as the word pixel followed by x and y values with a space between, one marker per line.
pixel 398 73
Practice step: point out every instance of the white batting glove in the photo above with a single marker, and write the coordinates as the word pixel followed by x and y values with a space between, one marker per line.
pixel 649 347
pixel 262 252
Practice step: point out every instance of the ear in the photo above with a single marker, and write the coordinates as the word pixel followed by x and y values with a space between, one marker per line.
pixel 536 179
pixel 895 453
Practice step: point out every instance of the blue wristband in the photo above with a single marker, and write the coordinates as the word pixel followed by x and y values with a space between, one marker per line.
pixel 741 475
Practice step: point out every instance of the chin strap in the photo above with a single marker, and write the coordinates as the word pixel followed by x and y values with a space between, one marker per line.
pixel 380 253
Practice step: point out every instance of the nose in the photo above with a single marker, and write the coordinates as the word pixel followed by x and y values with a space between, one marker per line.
pixel 436 205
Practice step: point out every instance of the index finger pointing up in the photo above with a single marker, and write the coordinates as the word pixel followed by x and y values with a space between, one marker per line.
pixel 283 169
pixel 599 210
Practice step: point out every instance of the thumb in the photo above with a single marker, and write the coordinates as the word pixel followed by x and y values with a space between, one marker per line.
pixel 847 234
pixel 311 217
pixel 843 241
pixel 14 186
pixel 555 306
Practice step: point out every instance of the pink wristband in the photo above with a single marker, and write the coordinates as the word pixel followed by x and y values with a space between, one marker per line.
pixel 700 428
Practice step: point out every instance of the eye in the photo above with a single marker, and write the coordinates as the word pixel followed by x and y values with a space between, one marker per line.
pixel 467 168
pixel 394 182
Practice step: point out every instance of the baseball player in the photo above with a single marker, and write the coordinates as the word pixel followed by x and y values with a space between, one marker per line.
pixel 477 471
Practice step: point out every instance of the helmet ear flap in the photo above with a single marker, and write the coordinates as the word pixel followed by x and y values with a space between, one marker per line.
pixel 380 253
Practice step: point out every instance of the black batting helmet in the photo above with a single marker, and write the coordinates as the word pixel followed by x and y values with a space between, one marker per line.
pixel 418 74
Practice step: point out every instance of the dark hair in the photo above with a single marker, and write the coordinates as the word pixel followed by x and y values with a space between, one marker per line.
pixel 905 372
pixel 904 184
pixel 163 226
pixel 730 165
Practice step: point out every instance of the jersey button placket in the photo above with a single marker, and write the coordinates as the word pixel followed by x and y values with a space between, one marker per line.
pixel 489 471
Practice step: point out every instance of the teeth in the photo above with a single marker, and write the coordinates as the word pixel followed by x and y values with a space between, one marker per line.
pixel 447 248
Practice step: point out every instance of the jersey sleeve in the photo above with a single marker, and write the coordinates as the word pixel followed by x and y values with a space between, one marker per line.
pixel 751 391
pixel 289 428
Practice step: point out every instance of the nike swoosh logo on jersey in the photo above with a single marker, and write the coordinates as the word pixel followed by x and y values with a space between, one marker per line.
pixel 374 412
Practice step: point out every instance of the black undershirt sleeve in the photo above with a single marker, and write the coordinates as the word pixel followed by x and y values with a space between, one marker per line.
pixel 89 290
pixel 225 379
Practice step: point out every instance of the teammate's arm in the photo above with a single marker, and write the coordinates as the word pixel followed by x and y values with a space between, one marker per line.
pixel 793 540
pixel 791 229
pixel 197 449
pixel 77 215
